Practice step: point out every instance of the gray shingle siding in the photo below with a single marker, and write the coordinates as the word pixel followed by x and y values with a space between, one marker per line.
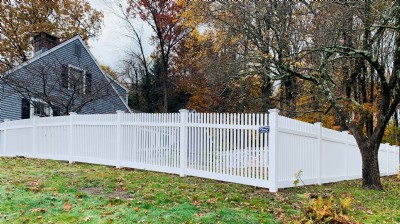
pixel 10 102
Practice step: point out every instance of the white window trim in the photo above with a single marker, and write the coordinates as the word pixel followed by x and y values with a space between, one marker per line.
pixel 83 78
pixel 32 107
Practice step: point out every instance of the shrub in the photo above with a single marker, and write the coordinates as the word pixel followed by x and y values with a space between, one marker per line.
pixel 326 210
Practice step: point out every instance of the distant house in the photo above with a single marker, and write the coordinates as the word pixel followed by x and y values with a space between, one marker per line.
pixel 60 78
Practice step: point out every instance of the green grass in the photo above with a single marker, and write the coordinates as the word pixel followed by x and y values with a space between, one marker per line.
pixel 44 191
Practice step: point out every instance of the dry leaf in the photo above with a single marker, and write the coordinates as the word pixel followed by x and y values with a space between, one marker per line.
pixel 137 209
pixel 67 206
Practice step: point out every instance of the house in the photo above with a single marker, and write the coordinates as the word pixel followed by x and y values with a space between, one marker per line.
pixel 60 78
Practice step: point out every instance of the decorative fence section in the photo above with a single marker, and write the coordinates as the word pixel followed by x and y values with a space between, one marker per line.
pixel 254 149
pixel 228 147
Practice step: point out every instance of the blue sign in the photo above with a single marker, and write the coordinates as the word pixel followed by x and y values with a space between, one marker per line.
pixel 263 129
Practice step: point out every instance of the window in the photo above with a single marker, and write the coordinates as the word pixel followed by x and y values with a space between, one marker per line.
pixel 25 109
pixel 76 79
pixel 38 108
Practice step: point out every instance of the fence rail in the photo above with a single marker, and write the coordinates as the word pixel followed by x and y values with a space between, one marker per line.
pixel 227 147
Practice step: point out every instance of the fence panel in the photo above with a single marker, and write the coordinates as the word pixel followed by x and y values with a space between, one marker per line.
pixel 297 150
pixel 94 139
pixel 228 147
pixel 334 152
pixel 51 137
pixel 151 142
pixel 19 138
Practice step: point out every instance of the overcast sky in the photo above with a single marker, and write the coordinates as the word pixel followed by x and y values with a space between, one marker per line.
pixel 111 46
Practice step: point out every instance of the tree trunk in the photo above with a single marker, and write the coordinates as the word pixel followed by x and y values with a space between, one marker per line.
pixel 266 93
pixel 370 168
pixel 165 90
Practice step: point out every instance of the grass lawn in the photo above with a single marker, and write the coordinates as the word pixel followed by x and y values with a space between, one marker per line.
pixel 44 191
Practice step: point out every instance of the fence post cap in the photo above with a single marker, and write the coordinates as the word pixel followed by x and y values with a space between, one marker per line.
pixel 318 123
pixel 183 111
pixel 120 112
pixel 274 110
pixel 72 113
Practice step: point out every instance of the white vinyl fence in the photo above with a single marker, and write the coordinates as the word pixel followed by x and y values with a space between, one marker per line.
pixel 254 149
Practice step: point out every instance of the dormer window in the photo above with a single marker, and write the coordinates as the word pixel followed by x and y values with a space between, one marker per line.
pixel 76 79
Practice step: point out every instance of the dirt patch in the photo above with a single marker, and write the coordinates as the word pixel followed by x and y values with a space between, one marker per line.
pixel 116 193
pixel 93 190
pixel 128 169
pixel 119 194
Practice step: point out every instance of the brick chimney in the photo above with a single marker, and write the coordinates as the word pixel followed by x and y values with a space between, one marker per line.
pixel 43 42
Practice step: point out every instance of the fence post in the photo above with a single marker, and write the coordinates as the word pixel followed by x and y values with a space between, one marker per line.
pixel 34 136
pixel 71 134
pixel 119 138
pixel 318 125
pixel 5 136
pixel 387 160
pixel 183 141
pixel 346 148
pixel 397 161
pixel 272 150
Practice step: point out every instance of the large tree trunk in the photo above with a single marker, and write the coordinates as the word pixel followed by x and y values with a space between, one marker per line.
pixel 370 167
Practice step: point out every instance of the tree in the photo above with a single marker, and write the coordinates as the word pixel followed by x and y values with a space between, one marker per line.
pixel 355 110
pixel 164 19
pixel 348 51
pixel 21 20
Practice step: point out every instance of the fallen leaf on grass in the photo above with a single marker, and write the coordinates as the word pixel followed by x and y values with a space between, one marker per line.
pixel 67 206
pixel 43 210
pixel 369 212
